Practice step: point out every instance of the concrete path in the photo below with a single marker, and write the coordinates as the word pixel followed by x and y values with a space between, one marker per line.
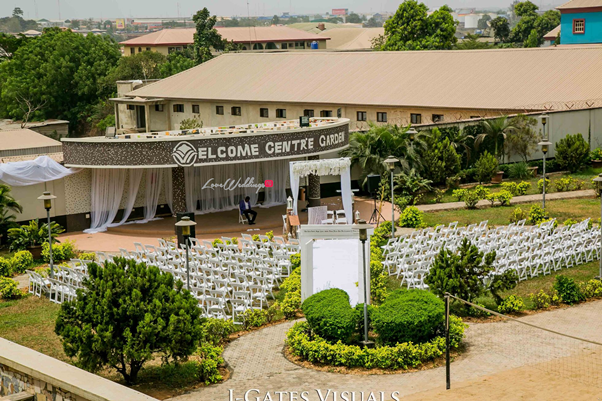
pixel 258 362
pixel 438 207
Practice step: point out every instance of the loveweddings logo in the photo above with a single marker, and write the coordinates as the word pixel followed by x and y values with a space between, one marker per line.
pixel 185 154
pixel 231 185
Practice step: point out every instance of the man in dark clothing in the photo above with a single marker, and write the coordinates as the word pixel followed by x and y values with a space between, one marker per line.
pixel 245 209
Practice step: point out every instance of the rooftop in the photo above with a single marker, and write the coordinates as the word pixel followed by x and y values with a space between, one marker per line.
pixel 580 4
pixel 499 79
pixel 352 38
pixel 20 142
pixel 184 36
pixel 553 34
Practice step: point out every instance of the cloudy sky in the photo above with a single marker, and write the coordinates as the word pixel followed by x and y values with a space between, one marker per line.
pixel 160 8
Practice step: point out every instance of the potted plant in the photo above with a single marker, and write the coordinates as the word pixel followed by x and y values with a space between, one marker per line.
pixel 596 157
pixel 498 177
pixel 31 237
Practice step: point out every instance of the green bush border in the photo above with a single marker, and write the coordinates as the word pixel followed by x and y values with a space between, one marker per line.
pixel 313 348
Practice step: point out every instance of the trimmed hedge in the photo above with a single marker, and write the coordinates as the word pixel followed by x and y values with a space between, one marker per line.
pixel 315 349
pixel 330 315
pixel 408 316
pixel 22 261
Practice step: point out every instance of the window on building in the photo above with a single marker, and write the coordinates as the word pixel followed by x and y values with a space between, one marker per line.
pixel 473 117
pixel 362 116
pixel 219 110
pixel 139 50
pixel 132 50
pixel 264 112
pixel 299 45
pixel 178 108
pixel 437 118
pixel 308 113
pixel 236 111
pixel 381 117
pixel 158 107
pixel 284 46
pixel 416 118
pixel 326 113
pixel 280 113
pixel 148 49
pixel 196 109
pixel 579 25
pixel 339 113
pixel 131 107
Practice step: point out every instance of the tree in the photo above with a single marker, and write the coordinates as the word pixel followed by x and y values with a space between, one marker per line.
pixel 9 45
pixel 28 108
pixel 501 29
pixel 486 167
pixel 461 141
pixel 354 19
pixel 496 129
pixel 460 273
pixel 176 63
pixel 125 314
pixel 522 30
pixel 75 24
pixel 372 23
pixel 483 23
pixel 191 123
pixel 533 40
pixel 145 65
pixel 411 28
pixel 9 206
pixel 206 36
pixel 522 140
pixel 17 12
pixel 61 68
pixel 275 20
pixel 439 158
pixel 572 153
pixel 525 8
pixel 471 42
pixel 548 21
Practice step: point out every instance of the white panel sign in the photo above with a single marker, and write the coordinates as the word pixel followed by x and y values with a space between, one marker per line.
pixel 336 266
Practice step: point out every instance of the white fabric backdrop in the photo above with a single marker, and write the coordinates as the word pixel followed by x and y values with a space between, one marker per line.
pixel 168 189
pixel 335 265
pixel 106 193
pixel 219 198
pixel 154 181
pixel 134 184
pixel 30 172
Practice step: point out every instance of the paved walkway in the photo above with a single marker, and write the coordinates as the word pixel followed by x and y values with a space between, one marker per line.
pixel 258 362
pixel 438 207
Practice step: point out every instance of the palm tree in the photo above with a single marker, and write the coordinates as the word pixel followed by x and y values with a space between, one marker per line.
pixel 8 207
pixel 496 129
pixel 460 141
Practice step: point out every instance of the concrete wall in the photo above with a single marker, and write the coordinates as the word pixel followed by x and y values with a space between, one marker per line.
pixel 593 28
pixel 25 370
pixel 322 44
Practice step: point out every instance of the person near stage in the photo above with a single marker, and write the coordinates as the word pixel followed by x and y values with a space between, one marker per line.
pixel 245 209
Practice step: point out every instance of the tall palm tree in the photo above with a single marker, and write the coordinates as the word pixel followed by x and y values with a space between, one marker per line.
pixel 496 129
pixel 8 207
pixel 460 140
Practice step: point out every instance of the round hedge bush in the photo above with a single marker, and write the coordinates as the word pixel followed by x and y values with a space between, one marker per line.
pixel 408 316
pixel 330 315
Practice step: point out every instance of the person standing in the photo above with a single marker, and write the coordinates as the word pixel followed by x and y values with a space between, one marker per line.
pixel 245 209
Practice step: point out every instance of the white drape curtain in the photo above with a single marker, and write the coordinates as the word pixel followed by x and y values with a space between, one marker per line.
pixel 340 167
pixel 30 172
pixel 106 193
pixel 168 189
pixel 135 177
pixel 218 188
pixel 154 183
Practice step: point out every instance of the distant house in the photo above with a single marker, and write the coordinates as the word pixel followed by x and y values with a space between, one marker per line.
pixel 257 38
pixel 549 38
pixel 581 22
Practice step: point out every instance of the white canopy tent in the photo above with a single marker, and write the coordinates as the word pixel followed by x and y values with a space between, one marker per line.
pixel 340 167
pixel 31 172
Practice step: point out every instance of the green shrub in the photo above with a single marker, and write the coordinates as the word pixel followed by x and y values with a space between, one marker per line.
pixel 32 234
pixel 568 290
pixel 570 222
pixel 69 250
pixel 442 160
pixel 502 282
pixel 6 268
pixel 536 215
pixel 439 194
pixel 504 197
pixel 315 349
pixel 520 170
pixel 57 253
pixel 292 287
pixel 9 288
pixel 219 241
pixel 476 312
pixel 591 289
pixel 511 304
pixel 471 199
pixel 291 304
pixel 208 367
pixel 541 300
pixel 596 154
pixel 487 167
pixel 329 314
pixel 510 186
pixel 517 215
pixel 572 153
pixel 522 188
pixel 411 217
pixel 87 256
pixel 295 261
pixel 459 194
pixel 216 331
pixel 481 191
pixel 540 186
pixel 21 261
pixel 255 318
pixel 408 316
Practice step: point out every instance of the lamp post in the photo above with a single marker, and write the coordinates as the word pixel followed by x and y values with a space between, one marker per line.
pixel 390 162
pixel 544 120
pixel 545 146
pixel 47 197
pixel 362 227
pixel 598 181
pixel 185 224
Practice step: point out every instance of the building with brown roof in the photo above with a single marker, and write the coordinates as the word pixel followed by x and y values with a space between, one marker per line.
pixel 383 87
pixel 249 38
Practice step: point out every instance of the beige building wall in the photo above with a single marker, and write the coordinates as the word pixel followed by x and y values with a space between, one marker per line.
pixel 32 207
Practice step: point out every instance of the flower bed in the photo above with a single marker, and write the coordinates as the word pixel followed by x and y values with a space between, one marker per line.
pixel 313 348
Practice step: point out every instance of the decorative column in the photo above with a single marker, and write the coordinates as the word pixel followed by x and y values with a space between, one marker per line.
pixel 179 190
pixel 313 184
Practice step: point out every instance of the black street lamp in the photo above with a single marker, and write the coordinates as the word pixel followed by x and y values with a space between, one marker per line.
pixel 545 146
pixel 47 197
pixel 185 225
pixel 363 228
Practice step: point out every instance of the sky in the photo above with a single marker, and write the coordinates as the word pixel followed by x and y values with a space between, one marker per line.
pixel 69 9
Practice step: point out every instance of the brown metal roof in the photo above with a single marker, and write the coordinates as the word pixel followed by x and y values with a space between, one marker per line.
pixel 479 79
pixel 184 36
pixel 580 4
pixel 553 34
pixel 352 38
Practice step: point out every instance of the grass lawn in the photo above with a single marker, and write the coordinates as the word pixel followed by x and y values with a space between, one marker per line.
pixel 562 210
